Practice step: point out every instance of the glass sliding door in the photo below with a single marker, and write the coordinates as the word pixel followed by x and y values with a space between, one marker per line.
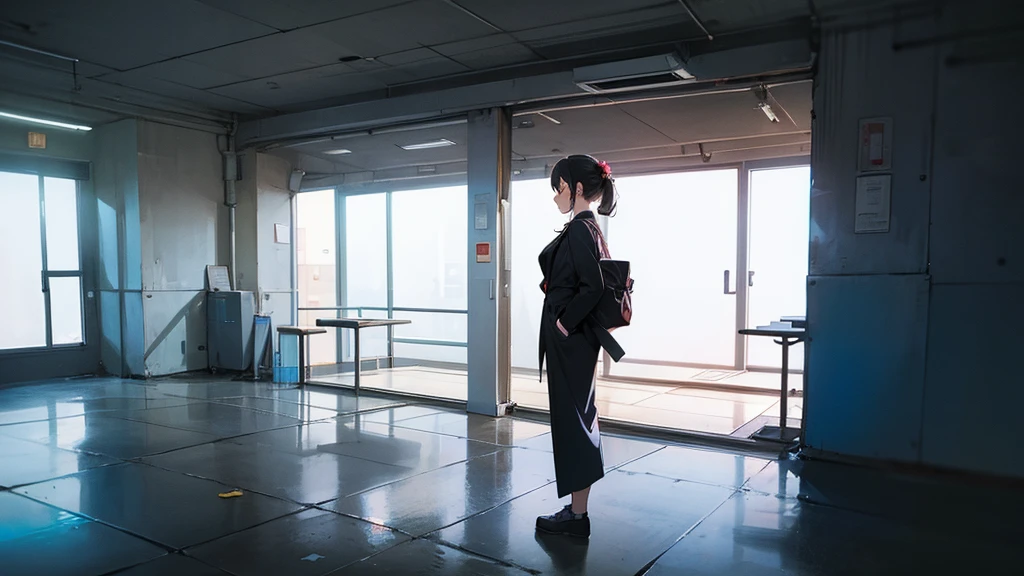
pixel 679 232
pixel 779 231
pixel 41 298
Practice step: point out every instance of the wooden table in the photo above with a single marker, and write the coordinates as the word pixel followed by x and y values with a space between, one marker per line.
pixel 357 324
pixel 303 332
pixel 786 337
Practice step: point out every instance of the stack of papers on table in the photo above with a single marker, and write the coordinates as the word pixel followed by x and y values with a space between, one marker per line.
pixel 777 326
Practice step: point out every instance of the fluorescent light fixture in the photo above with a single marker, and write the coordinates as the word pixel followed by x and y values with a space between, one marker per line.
pixel 338 151
pixel 46 122
pixel 439 143
pixel 549 118
pixel 767 109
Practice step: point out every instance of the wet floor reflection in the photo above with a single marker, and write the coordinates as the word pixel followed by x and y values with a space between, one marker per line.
pixel 95 474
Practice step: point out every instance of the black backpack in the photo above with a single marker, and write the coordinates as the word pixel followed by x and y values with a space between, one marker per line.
pixel 615 309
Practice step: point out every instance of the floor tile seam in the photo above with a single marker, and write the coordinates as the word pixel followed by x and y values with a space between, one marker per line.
pixel 272 412
pixel 304 505
pixel 698 482
pixel 637 459
pixel 69 474
pixel 99 521
pixel 97 412
pixel 647 567
pixel 490 509
pixel 361 458
pixel 46 444
pixel 335 410
pixel 344 567
pixel 134 566
pixel 127 419
pixel 398 425
pixel 104 412
pixel 215 438
pixel 172 450
pixel 398 531
pixel 691 413
pixel 243 408
pixel 185 549
pixel 728 451
pixel 426 535
pixel 416 475
pixel 409 405
pixel 442 542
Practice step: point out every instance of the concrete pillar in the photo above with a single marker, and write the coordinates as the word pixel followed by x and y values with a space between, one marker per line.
pixel 489 324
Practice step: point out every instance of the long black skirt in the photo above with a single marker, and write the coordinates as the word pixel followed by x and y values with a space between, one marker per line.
pixel 575 435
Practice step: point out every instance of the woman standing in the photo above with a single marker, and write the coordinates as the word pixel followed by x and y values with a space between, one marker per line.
pixel 573 285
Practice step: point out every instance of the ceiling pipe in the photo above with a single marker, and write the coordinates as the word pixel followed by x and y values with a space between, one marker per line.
pixel 693 16
pixel 10 44
pixel 74 61
pixel 231 175
pixel 362 133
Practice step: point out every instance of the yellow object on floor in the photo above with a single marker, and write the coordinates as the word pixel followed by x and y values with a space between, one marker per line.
pixel 232 494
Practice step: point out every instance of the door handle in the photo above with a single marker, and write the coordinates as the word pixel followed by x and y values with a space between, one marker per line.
pixel 725 287
pixel 46 281
pixel 750 278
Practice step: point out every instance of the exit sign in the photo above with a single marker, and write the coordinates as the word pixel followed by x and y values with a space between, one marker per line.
pixel 36 140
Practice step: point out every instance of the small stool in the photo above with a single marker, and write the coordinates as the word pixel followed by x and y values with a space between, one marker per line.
pixel 303 332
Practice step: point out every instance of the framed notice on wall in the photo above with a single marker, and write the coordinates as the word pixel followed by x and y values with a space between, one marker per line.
pixel 875 153
pixel 873 204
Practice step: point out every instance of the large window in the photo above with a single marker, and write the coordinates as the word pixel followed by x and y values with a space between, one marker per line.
pixel 535 222
pixel 428 234
pixel 317 269
pixel 41 294
pixel 403 256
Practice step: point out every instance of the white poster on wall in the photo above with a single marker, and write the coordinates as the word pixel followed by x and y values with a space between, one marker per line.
pixel 875 145
pixel 873 204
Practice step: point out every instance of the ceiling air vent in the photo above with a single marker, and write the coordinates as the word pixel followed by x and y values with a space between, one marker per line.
pixel 649 72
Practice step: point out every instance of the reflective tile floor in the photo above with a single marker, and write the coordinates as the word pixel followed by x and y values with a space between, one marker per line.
pixel 671 405
pixel 121 477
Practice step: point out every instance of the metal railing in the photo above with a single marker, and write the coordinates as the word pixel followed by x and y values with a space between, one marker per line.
pixel 392 340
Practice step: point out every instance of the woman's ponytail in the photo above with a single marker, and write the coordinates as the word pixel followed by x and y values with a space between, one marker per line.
pixel 609 198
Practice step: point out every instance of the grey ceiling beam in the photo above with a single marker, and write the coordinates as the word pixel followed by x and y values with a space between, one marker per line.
pixel 413 108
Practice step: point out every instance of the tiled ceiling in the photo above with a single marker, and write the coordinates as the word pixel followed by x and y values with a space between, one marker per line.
pixel 262 57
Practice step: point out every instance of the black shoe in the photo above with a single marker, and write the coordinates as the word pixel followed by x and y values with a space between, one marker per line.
pixel 564 522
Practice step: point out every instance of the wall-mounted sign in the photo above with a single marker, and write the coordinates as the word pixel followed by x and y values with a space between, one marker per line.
pixel 36 140
pixel 875 145
pixel 873 204
pixel 483 252
pixel 480 212
pixel 282 234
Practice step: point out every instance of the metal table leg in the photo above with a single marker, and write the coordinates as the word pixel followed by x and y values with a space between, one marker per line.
pixel 782 433
pixel 302 360
pixel 358 362
pixel 785 387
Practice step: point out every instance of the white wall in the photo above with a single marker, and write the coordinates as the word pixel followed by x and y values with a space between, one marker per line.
pixel 264 264
pixel 915 331
pixel 184 228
